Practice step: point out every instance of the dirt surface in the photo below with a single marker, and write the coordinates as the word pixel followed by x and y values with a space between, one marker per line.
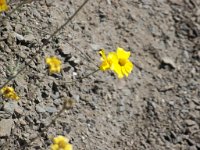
pixel 156 108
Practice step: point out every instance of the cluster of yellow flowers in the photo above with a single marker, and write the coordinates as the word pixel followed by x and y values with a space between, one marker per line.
pixel 61 143
pixel 54 64
pixel 3 6
pixel 117 61
pixel 9 92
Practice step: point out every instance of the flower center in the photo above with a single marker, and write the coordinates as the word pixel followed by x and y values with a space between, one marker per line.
pixel 7 91
pixel 122 62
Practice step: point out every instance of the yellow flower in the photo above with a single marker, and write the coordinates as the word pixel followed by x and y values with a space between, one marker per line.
pixel 61 143
pixel 3 5
pixel 9 92
pixel 123 66
pixel 54 64
pixel 108 60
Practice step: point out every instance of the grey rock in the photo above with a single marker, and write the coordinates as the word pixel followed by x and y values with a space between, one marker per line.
pixel 39 97
pixel 56 95
pixel 10 107
pixel 18 27
pixel 190 122
pixel 22 122
pixel 197 108
pixel 121 105
pixel 29 37
pixel 169 61
pixel 109 2
pixel 57 102
pixel 186 54
pixel 18 36
pixel 146 2
pixel 4 114
pixel 77 98
pixel 193 148
pixel 19 110
pixel 49 2
pixel 40 109
pixel 51 109
pixel 96 47
pixel 36 13
pixel 176 2
pixel 5 127
pixel 7 25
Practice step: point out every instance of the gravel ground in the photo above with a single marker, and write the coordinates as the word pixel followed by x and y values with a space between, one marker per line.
pixel 156 108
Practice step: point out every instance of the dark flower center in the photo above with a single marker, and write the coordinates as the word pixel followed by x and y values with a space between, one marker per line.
pixel 122 62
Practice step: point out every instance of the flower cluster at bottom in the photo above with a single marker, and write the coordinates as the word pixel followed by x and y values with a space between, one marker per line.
pixel 117 61
pixel 61 143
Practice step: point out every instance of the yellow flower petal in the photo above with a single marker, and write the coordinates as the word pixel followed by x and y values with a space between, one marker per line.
pixel 104 66
pixel 107 61
pixel 117 69
pixel 68 147
pixel 61 143
pixel 103 54
pixel 122 54
pixel 54 64
pixel 3 5
pixel 129 67
pixel 54 147
pixel 124 71
pixel 59 139
pixel 123 66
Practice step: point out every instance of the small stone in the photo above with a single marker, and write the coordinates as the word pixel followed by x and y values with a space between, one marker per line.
pixel 29 37
pixel 18 27
pixel 10 107
pixel 3 114
pixel 5 127
pixel 49 2
pixel 55 96
pixel 57 102
pixel 8 25
pixel 147 2
pixel 169 61
pixel 192 148
pixel 19 110
pixel 95 47
pixel 191 142
pixel 77 98
pixel 19 36
pixel 22 122
pixel 109 2
pixel 190 122
pixel 176 2
pixel 197 108
pixel 51 109
pixel 74 74
pixel 40 109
